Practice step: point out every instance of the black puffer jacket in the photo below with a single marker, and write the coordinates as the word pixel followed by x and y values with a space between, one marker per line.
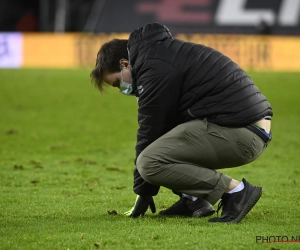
pixel 177 81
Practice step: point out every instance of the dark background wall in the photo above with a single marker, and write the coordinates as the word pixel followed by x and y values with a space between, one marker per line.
pixel 12 13
pixel 181 16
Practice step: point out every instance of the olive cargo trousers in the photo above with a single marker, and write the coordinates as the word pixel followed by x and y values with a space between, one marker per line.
pixel 186 158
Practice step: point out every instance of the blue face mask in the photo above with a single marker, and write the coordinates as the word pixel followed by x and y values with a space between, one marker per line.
pixel 125 88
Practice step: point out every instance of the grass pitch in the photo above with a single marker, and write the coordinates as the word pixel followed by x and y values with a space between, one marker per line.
pixel 66 159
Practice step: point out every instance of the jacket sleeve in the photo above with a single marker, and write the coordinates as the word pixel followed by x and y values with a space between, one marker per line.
pixel 158 87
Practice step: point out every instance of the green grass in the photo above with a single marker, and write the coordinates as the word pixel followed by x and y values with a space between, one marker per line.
pixel 66 158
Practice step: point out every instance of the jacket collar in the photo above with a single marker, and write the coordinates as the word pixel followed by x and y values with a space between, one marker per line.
pixel 140 39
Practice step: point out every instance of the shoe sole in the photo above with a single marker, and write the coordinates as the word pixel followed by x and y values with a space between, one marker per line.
pixel 249 205
pixel 203 212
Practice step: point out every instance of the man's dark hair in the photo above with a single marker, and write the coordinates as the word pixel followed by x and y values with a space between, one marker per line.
pixel 108 59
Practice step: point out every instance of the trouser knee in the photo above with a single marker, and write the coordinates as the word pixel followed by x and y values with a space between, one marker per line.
pixel 148 167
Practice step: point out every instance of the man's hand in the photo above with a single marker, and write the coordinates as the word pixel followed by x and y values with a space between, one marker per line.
pixel 141 206
pixel 128 213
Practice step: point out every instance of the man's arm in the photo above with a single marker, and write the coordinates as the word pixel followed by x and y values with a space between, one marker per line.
pixel 159 86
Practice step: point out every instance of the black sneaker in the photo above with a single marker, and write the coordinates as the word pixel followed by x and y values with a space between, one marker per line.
pixel 186 207
pixel 236 206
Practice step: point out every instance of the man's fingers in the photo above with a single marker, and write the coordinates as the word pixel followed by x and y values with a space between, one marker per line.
pixel 129 212
pixel 141 206
pixel 152 205
pixel 134 215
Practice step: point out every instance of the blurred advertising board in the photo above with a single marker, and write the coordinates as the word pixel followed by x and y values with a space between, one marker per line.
pixel 11 45
pixel 48 50
pixel 251 52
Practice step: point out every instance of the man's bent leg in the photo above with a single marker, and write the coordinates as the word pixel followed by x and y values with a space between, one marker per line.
pixel 185 158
